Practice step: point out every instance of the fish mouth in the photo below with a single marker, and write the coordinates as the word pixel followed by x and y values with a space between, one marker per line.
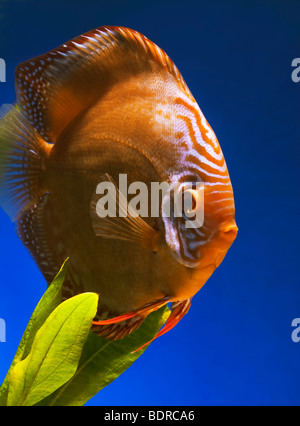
pixel 229 232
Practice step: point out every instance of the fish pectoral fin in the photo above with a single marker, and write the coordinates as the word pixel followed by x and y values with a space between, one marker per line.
pixel 178 311
pixel 120 221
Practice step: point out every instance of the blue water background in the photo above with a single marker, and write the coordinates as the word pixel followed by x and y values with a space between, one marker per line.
pixel 234 347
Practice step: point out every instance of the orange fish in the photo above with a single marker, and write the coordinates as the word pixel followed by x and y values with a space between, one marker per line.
pixel 111 103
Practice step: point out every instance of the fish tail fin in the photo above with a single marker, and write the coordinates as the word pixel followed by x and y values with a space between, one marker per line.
pixel 23 155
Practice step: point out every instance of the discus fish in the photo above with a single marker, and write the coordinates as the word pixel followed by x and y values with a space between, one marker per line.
pixel 107 103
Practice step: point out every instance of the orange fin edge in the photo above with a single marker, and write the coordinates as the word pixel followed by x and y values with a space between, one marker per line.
pixel 178 311
pixel 154 306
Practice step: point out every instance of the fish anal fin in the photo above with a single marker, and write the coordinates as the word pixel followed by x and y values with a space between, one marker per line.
pixel 30 229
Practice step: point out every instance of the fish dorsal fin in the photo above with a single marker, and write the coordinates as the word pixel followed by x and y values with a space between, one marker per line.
pixel 54 88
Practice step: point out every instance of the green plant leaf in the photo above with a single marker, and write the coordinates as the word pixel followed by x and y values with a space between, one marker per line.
pixel 50 300
pixel 102 361
pixel 55 352
pixel 39 377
